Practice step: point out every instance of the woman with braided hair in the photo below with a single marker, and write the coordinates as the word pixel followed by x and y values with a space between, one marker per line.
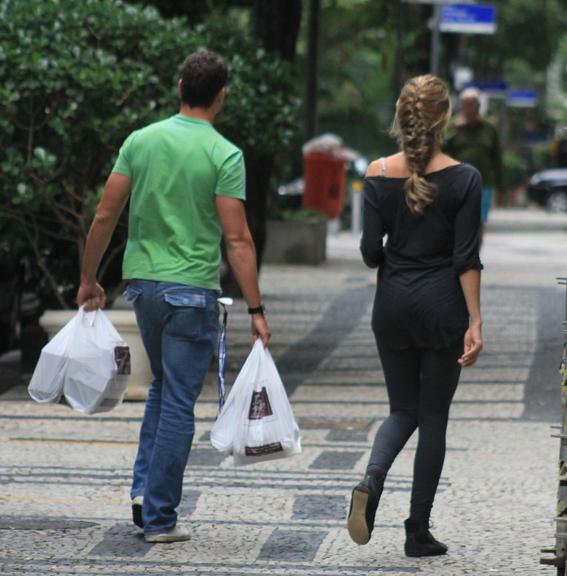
pixel 426 317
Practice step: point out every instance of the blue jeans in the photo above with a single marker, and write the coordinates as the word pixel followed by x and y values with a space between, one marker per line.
pixel 179 327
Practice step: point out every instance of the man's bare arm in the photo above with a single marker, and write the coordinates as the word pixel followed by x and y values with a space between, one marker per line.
pixel 114 199
pixel 241 255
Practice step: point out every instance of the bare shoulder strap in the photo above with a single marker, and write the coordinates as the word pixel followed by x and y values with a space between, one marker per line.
pixel 382 166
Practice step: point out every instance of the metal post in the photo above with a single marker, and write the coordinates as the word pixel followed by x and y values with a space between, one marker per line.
pixel 356 208
pixel 559 551
pixel 561 518
pixel 435 40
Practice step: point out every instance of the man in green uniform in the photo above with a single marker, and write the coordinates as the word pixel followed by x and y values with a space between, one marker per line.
pixel 474 140
pixel 186 186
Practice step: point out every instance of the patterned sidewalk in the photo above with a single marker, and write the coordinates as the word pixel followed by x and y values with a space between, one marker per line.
pixel 64 478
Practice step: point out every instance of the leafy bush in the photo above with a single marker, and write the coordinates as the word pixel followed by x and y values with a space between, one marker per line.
pixel 77 78
pixel 261 111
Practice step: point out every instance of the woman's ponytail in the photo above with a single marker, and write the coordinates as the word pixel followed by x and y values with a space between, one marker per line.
pixel 422 112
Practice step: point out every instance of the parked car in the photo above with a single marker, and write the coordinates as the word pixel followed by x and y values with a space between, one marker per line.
pixel 290 194
pixel 548 188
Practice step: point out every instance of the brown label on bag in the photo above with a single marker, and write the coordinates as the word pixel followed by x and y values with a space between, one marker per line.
pixel 259 405
pixel 263 450
pixel 122 359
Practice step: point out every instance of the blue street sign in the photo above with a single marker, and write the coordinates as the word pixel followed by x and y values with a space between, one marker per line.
pixel 496 87
pixel 521 99
pixel 468 18
pixel 493 87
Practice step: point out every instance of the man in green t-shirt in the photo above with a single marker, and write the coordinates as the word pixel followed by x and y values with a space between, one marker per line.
pixel 186 186
pixel 474 140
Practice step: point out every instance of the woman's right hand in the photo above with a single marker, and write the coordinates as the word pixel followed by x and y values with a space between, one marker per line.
pixel 473 346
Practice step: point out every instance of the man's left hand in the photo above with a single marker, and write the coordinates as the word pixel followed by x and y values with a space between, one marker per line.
pixel 91 296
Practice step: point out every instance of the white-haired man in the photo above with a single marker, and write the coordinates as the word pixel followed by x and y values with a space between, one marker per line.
pixel 474 140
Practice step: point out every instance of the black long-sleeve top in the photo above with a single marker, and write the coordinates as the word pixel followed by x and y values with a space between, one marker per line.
pixel 419 299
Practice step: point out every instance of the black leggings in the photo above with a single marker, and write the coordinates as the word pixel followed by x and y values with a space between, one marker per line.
pixel 421 384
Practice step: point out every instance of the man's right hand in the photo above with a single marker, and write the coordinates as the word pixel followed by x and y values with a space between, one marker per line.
pixel 260 329
pixel 91 296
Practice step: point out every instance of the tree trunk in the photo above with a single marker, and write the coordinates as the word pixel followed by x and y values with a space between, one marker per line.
pixel 311 108
pixel 258 173
pixel 417 60
pixel 399 72
pixel 277 25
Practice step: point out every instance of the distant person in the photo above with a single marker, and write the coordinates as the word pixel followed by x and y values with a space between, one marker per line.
pixel 474 140
pixel 426 316
pixel 186 188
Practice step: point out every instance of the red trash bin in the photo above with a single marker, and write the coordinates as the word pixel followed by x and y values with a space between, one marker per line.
pixel 325 182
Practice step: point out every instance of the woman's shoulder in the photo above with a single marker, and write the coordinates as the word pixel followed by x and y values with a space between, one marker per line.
pixel 387 166
pixel 394 168
pixel 466 174
pixel 459 182
pixel 377 190
pixel 374 168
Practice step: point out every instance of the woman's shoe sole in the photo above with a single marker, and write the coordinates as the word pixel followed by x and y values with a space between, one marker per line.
pixel 356 523
pixel 423 554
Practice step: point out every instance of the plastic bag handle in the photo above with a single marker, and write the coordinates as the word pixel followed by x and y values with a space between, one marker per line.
pixel 261 351
pixel 90 316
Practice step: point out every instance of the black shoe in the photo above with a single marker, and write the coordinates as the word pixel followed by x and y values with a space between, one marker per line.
pixel 420 541
pixel 137 503
pixel 363 506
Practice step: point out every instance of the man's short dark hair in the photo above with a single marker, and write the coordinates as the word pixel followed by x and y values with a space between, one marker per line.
pixel 203 75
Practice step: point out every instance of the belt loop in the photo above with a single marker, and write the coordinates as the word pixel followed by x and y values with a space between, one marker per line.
pixel 224 302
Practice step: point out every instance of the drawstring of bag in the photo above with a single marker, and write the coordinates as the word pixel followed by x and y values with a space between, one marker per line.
pixel 224 302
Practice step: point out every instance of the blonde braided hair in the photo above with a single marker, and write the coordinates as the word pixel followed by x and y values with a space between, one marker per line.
pixel 422 113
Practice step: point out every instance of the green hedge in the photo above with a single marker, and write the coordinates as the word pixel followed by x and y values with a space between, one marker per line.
pixel 77 78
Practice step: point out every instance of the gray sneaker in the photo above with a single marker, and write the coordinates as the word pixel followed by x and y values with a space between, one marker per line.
pixel 177 534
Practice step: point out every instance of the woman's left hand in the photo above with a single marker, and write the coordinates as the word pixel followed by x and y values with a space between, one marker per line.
pixel 473 346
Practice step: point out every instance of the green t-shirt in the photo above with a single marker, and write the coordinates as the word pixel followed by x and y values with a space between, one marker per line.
pixel 178 166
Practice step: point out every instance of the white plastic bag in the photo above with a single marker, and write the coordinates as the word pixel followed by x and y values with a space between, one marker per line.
pixel 257 423
pixel 96 375
pixel 46 384
pixel 87 361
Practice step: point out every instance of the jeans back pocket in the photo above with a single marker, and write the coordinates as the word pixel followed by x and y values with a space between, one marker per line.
pixel 187 314
pixel 131 293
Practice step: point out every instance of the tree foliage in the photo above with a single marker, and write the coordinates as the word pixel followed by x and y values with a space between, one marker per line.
pixel 358 50
pixel 527 31
pixel 77 78
pixel 360 73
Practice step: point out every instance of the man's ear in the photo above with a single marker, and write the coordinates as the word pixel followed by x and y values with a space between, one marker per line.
pixel 220 97
pixel 180 86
